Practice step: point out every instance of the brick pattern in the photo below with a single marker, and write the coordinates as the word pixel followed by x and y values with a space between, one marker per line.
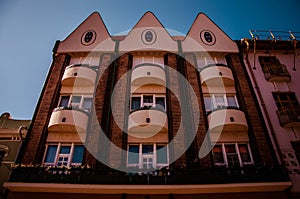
pixel 119 118
pixel 174 108
pixel 34 147
pixel 258 140
pixel 193 78
pixel 95 126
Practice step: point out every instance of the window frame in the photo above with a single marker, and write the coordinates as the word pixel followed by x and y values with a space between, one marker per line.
pixel 153 155
pixel 213 103
pixel 79 105
pixel 58 154
pixel 237 151
pixel 143 104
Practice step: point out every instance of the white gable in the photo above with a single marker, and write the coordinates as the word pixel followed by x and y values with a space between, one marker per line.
pixel 90 35
pixel 148 35
pixel 205 35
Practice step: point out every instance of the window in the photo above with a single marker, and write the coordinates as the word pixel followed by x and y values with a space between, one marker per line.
pixel 288 107
pixel 64 154
pixel 147 156
pixel 215 101
pixel 271 67
pixel 232 155
pixel 140 101
pixel 208 60
pixel 76 101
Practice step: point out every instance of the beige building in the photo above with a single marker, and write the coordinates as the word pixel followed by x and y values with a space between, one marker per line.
pixel 147 115
pixel 272 60
pixel 12 133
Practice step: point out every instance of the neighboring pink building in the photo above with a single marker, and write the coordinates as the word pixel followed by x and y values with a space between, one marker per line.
pixel 272 61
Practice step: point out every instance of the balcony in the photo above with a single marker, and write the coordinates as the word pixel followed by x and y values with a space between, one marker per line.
pixel 84 175
pixel 289 116
pixel 227 119
pixel 79 75
pixel 216 75
pixel 66 119
pixel 147 122
pixel 276 73
pixel 148 74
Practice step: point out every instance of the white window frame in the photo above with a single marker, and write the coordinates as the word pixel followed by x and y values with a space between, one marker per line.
pixel 206 60
pixel 153 104
pixel 80 104
pixel 57 155
pixel 223 105
pixel 225 163
pixel 153 156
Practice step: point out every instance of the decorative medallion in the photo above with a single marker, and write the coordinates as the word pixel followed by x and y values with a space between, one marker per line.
pixel 208 37
pixel 88 37
pixel 148 37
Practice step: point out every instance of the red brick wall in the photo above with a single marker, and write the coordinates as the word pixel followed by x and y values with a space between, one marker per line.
pixel 34 146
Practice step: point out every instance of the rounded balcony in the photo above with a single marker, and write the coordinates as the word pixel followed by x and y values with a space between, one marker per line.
pixel 148 74
pixel 146 123
pixel 216 75
pixel 65 119
pixel 79 75
pixel 227 119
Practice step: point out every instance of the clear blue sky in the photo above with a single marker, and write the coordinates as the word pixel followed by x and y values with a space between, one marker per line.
pixel 29 29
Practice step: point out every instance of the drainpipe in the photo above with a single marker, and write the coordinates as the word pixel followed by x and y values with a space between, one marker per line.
pixel 263 106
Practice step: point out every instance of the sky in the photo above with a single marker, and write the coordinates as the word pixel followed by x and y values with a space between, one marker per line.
pixel 29 29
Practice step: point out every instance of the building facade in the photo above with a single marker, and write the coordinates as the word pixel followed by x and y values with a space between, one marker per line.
pixel 272 61
pixel 12 133
pixel 147 115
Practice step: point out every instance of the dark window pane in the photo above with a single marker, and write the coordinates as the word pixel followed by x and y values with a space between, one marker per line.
pixel 244 153
pixel 76 99
pixel 208 103
pixel 65 150
pixel 135 103
pixel 160 102
pixel 162 156
pixel 133 154
pixel 87 104
pixel 231 101
pixel 147 149
pixel 217 153
pixel 78 154
pixel 64 101
pixel 51 152
pixel 148 98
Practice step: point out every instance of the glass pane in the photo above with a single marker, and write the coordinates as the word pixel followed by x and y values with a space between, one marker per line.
pixel 231 101
pixel 135 103
pixel 51 152
pixel 208 103
pixel 218 155
pixel 162 156
pixel 230 148
pixel 133 154
pixel 64 101
pixel 219 99
pixel 78 154
pixel 244 153
pixel 160 102
pixel 148 98
pixel 147 149
pixel 87 104
pixel 65 150
pixel 76 99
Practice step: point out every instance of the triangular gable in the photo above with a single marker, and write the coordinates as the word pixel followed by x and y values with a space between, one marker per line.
pixel 205 35
pixel 90 35
pixel 148 34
